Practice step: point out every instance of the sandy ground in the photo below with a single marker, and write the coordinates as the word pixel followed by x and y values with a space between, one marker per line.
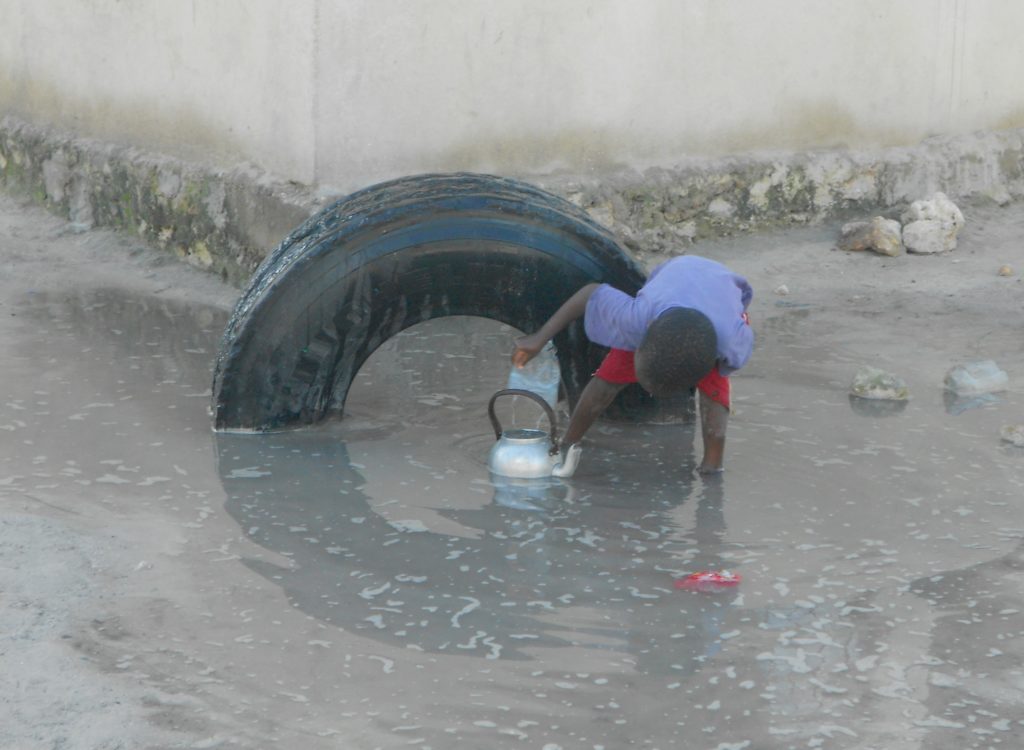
pixel 149 600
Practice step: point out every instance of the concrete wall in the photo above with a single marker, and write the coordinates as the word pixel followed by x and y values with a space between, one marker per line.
pixel 214 127
pixel 346 93
pixel 222 80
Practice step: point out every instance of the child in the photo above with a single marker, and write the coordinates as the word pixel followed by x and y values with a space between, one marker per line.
pixel 687 327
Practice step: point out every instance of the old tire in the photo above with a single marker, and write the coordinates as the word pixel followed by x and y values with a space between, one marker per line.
pixel 394 255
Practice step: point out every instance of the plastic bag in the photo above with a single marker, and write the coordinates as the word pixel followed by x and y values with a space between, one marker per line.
pixel 541 375
pixel 976 377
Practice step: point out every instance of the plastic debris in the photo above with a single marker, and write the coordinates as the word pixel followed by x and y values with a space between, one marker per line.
pixel 540 375
pixel 709 581
pixel 973 378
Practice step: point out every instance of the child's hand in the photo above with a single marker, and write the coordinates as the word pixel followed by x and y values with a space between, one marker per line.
pixel 527 348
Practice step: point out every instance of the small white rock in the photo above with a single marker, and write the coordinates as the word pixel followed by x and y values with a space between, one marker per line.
pixel 937 208
pixel 1013 433
pixel 931 226
pixel 928 236
pixel 721 208
pixel 873 383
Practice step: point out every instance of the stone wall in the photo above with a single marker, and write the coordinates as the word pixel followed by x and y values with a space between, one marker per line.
pixel 221 221
pixel 346 94
pixel 665 210
pixel 226 221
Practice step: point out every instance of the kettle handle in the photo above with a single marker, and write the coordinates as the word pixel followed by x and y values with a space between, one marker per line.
pixel 529 394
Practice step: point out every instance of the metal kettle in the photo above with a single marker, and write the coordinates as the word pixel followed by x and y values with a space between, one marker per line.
pixel 522 453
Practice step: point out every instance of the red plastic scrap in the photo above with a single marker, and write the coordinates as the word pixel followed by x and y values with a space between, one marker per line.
pixel 708 581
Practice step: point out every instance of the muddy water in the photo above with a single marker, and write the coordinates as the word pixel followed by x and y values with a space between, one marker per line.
pixel 366 584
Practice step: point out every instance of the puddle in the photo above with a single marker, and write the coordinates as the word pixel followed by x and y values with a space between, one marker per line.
pixel 880 553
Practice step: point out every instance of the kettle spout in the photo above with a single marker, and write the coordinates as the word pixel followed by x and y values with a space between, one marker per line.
pixel 567 467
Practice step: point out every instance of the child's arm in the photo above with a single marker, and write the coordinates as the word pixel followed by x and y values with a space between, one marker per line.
pixel 594 399
pixel 597 395
pixel 714 418
pixel 573 308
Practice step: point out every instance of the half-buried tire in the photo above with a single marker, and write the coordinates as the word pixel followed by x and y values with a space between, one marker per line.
pixel 394 255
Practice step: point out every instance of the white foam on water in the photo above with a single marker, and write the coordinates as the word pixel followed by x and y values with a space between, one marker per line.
pixel 410 526
pixel 473 604
pixel 249 472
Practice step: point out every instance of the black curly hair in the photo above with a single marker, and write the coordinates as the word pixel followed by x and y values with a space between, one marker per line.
pixel 679 348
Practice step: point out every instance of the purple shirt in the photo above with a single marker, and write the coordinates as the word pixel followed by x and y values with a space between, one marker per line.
pixel 615 319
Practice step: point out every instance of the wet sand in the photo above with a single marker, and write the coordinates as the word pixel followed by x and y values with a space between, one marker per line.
pixel 365 584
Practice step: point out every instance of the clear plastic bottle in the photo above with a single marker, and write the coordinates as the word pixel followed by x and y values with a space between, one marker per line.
pixel 540 375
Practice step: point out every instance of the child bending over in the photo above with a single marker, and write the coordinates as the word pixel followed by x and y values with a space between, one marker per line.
pixel 686 328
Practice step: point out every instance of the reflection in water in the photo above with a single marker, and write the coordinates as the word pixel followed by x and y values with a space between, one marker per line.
pixel 541 495
pixel 959 404
pixel 877 407
pixel 535 560
pixel 393 532
pixel 880 601
pixel 978 620
pixel 110 363
pixel 160 341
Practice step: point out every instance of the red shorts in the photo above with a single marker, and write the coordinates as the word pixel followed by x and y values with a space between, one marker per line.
pixel 617 367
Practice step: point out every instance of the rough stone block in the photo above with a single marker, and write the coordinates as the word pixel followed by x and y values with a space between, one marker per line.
pixel 880 235
pixel 937 208
pixel 929 236
pixel 55 177
pixel 932 225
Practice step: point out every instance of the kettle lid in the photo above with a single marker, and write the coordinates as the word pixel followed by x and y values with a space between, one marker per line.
pixel 524 436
